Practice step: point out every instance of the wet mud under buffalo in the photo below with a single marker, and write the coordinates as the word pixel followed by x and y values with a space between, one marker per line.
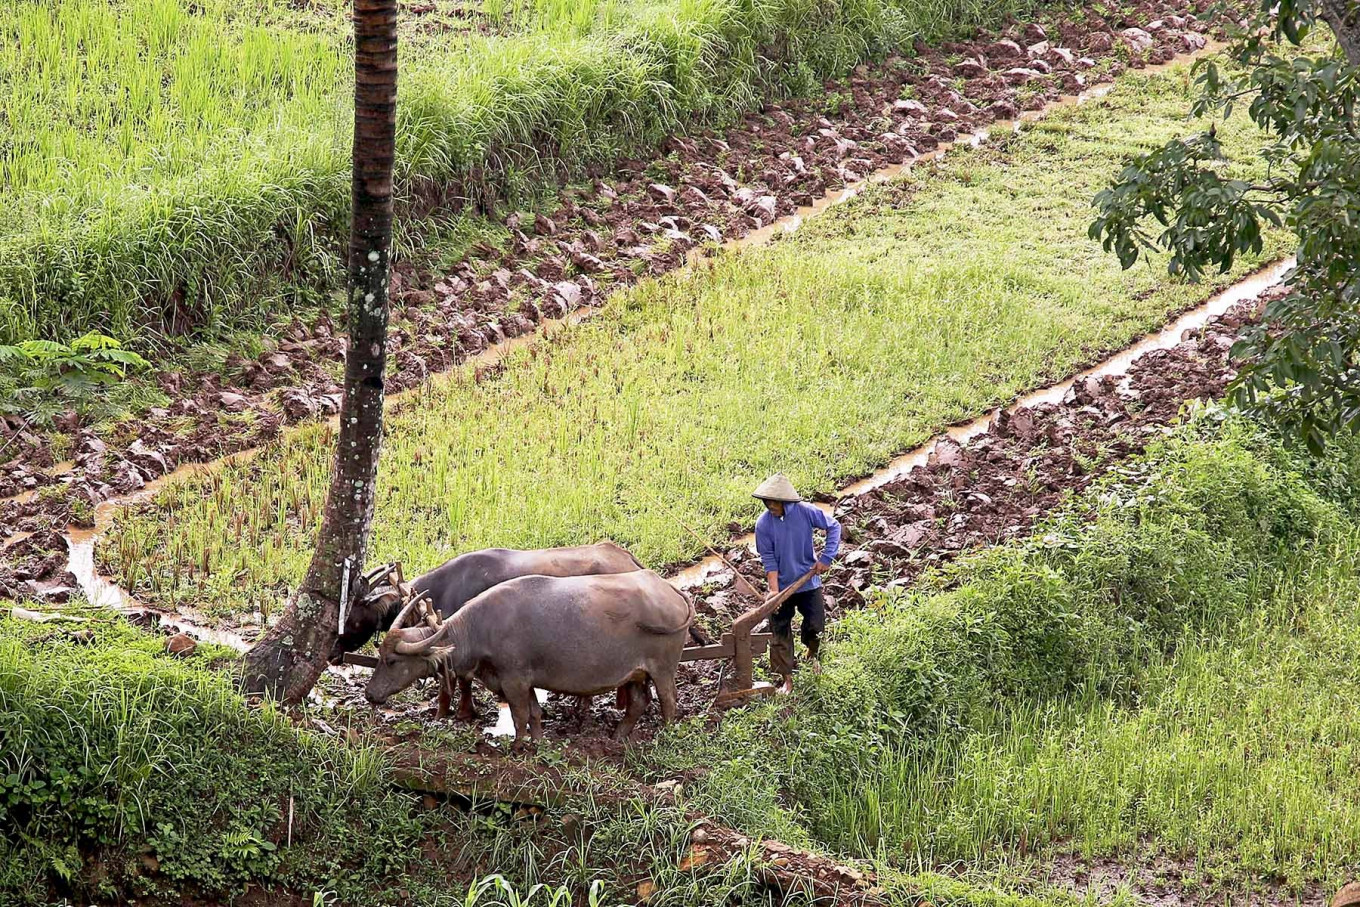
pixel 745 184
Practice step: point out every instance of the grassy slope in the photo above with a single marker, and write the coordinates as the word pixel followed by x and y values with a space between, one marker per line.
pixel 186 164
pixel 916 305
pixel 126 773
pixel 1176 674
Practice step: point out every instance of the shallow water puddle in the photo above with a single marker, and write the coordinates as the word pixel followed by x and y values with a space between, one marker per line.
pixel 505 722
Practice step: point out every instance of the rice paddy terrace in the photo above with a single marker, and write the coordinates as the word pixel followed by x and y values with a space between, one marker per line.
pixel 1099 651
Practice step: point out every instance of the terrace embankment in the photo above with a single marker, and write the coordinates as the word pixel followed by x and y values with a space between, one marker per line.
pixel 644 219
pixel 985 484
pixel 921 302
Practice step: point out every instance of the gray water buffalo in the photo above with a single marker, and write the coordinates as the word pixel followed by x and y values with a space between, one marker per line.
pixel 456 582
pixel 580 635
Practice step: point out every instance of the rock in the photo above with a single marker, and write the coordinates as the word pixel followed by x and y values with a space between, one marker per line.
pixel 1004 50
pixel 1020 75
pixel 126 477
pixel 1138 40
pixel 232 403
pixel 1062 56
pixel 699 836
pixel 142 618
pixel 970 69
pixel 946 453
pixel 569 294
pixel 857 558
pixel 1004 110
pixel 1101 42
pixel 1191 42
pixel 1037 51
pixel 1348 896
pixel 588 263
pixel 181 645
pixel 543 226
pixel 766 204
pixel 298 404
pixel 910 536
pixel 661 192
pixel 277 362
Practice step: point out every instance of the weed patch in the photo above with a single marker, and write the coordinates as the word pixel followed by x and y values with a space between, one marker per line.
pixel 1134 672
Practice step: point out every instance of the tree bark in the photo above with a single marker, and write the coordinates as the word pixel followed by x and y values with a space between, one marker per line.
pixel 288 659
pixel 1343 16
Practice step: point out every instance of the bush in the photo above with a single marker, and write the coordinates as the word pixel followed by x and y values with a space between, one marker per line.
pixel 1187 540
pixel 125 770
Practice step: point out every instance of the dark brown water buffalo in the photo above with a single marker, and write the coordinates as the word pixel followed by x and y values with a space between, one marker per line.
pixel 580 635
pixel 458 581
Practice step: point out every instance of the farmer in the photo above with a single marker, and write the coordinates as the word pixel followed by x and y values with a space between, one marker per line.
pixel 784 541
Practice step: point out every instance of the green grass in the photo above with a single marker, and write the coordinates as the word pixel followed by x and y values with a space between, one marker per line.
pixel 128 774
pixel 1171 674
pixel 914 306
pixel 169 166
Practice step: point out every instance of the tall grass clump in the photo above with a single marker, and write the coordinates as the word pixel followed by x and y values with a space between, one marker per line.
pixel 1021 698
pixel 130 774
pixel 916 305
pixel 126 770
pixel 183 167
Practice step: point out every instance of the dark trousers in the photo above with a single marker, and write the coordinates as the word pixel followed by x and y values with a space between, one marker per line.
pixel 812 606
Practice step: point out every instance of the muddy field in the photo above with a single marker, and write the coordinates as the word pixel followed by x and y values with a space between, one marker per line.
pixel 642 219
pixel 987 491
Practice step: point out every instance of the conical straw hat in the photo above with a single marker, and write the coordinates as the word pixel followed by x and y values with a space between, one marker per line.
pixel 777 488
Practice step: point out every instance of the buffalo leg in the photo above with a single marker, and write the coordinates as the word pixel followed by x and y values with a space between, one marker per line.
pixel 535 716
pixel 521 701
pixel 582 710
pixel 665 691
pixel 445 680
pixel 636 694
pixel 466 712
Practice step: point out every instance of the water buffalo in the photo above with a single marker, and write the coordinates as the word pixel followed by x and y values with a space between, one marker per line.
pixel 580 635
pixel 456 582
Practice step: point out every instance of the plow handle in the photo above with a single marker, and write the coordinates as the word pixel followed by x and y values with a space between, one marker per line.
pixel 742 657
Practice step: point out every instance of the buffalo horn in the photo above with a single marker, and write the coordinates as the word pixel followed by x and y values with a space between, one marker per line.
pixel 419 648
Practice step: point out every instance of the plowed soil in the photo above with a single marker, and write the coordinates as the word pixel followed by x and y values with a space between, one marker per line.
pixel 642 218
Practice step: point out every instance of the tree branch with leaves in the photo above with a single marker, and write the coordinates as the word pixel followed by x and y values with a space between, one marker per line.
pixel 1299 364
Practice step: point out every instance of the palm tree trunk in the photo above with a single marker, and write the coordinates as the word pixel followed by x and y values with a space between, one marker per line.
pixel 287 660
pixel 1344 18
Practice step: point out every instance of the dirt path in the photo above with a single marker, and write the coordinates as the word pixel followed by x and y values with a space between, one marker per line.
pixel 762 176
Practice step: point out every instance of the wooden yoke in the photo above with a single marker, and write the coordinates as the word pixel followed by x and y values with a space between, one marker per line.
pixel 742 656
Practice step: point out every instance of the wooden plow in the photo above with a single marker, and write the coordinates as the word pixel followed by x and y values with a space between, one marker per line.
pixel 740 645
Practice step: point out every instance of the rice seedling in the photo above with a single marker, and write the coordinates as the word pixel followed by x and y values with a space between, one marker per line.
pixel 1203 714
pixel 918 304
pixel 170 167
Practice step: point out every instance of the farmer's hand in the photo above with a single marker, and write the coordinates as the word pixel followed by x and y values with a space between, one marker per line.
pixel 819 568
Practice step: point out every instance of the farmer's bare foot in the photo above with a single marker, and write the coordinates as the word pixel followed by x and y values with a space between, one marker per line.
pixel 787 686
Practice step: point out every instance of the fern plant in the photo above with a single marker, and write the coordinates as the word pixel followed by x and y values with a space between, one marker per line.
pixel 41 378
